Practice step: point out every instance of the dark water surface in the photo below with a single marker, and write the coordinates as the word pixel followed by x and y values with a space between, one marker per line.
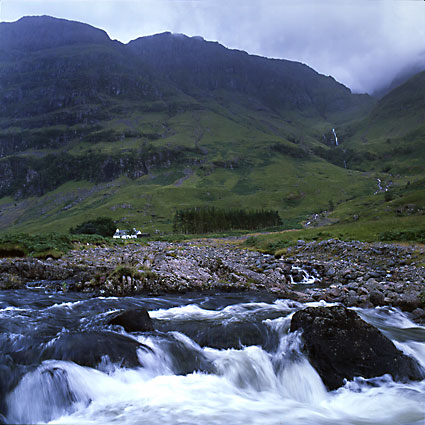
pixel 213 359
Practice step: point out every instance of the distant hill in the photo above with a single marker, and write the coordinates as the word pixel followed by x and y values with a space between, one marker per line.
pixel 91 127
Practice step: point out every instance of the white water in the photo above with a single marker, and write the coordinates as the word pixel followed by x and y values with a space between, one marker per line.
pixel 308 279
pixel 249 386
pixel 335 137
pixel 381 188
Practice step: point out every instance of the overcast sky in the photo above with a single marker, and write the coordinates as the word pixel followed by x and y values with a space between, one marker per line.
pixel 362 43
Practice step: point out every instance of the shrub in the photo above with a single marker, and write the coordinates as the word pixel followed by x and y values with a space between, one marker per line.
pixel 404 235
pixel 388 196
pixel 45 245
pixel 103 226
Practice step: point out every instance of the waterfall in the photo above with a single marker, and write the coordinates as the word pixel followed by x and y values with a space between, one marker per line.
pixel 335 136
pixel 380 188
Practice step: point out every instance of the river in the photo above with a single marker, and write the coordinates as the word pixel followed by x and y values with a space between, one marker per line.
pixel 213 359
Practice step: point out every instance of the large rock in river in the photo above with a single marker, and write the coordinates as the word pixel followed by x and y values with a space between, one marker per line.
pixel 341 345
pixel 135 320
pixel 89 348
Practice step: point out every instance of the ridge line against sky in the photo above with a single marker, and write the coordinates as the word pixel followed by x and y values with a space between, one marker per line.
pixel 364 44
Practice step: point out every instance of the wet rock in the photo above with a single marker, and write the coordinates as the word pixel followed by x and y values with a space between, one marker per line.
pixel 352 300
pixel 341 346
pixel 362 291
pixel 418 315
pixel 377 298
pixel 11 281
pixel 135 320
pixel 232 335
pixel 90 348
pixel 407 302
pixel 9 377
pixel 334 292
pixel 185 357
pixel 220 335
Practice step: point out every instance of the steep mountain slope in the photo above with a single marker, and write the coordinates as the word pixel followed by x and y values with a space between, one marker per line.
pixel 93 127
pixel 196 65
pixel 392 137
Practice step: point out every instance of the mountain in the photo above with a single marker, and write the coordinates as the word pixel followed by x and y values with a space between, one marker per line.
pixel 392 136
pixel 30 34
pixel 90 127
pixel 197 65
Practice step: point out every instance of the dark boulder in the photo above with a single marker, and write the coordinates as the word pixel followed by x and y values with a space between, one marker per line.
pixel 185 357
pixel 340 345
pixel 377 298
pixel 89 348
pixel 407 302
pixel 220 335
pixel 10 373
pixel 232 335
pixel 135 320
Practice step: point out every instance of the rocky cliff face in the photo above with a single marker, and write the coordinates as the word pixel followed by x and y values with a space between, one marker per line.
pixel 72 85
pixel 195 64
pixel 24 177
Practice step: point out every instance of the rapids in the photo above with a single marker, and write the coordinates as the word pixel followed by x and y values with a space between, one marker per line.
pixel 213 359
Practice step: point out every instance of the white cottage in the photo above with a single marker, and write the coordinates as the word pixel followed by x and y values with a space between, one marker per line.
pixel 127 234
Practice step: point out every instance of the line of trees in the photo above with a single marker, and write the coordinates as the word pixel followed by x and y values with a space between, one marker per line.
pixel 210 219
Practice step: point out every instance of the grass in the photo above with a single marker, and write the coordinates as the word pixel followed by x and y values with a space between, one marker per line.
pixel 53 245
pixel 296 188
pixel 237 166
pixel 405 229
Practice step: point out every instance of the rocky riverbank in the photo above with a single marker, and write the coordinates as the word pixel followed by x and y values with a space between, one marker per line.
pixel 353 273
pixel 366 274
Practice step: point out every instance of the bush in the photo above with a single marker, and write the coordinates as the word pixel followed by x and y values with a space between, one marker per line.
pixel 388 196
pixel 250 241
pixel 45 245
pixel 102 226
pixel 404 235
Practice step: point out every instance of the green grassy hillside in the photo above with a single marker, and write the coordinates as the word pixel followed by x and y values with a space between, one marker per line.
pixel 91 127
pixel 392 138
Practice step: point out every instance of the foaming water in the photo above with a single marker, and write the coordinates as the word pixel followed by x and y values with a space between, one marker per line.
pixel 179 375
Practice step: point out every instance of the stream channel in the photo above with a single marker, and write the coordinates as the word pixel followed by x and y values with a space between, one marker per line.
pixel 212 359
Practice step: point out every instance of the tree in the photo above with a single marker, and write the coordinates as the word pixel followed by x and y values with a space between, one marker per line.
pixel 103 226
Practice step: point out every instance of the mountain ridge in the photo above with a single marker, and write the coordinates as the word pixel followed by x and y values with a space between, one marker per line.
pixel 21 34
